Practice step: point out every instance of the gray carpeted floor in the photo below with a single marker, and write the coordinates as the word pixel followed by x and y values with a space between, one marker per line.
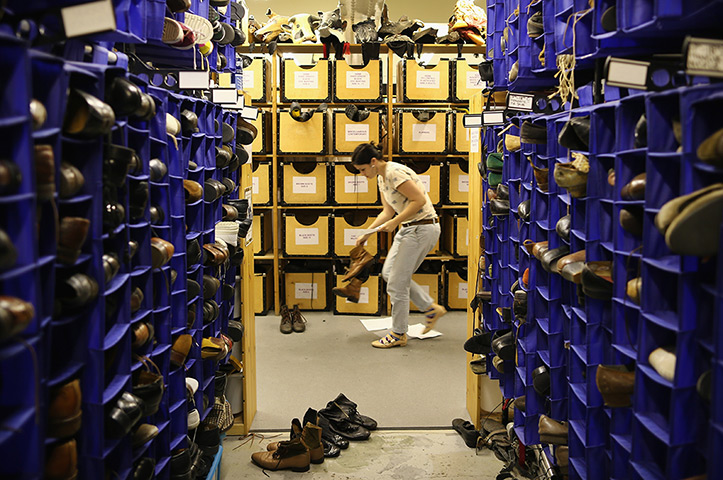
pixel 420 385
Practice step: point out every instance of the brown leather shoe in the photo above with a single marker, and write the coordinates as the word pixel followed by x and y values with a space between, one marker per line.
pixel 73 232
pixel 44 171
pixel 552 431
pixel 285 326
pixel 194 191
pixel 359 259
pixel 298 322
pixel 350 291
pixel 15 316
pixel 10 177
pixel 180 348
pixel 61 462
pixel 578 256
pixel 634 189
pixel 615 383
pixel 562 459
pixel 71 180
pixel 142 333
pixel 292 455
pixel 310 435
pixel 64 414
pixel 136 299
pixel 161 252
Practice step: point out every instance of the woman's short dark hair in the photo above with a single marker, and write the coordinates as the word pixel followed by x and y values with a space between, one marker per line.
pixel 364 152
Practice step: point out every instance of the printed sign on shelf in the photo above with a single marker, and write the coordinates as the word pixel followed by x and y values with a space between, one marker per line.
pixel 255 185
pixel 427 79
pixel 463 183
pixel 248 79
pixel 462 290
pixel 424 132
pixel 356 184
pixel 308 80
pixel 306 291
pixel 356 132
pixel 358 80
pixel 307 236
pixel 351 235
pixel 303 185
pixel 474 80
pixel 426 181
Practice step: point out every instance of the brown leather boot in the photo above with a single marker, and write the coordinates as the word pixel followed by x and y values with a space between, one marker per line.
pixel 359 259
pixel 615 383
pixel 350 291
pixel 292 455
pixel 310 435
pixel 285 326
pixel 298 322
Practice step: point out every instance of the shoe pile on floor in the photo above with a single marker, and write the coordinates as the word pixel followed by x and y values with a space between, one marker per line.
pixel 324 434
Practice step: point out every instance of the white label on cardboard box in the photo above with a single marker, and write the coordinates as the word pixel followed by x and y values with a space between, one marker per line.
pixel 474 80
pixel 307 236
pixel 356 184
pixel 473 140
pixel 463 183
pixel 351 234
pixel 462 290
pixel 424 132
pixel 308 80
pixel 425 288
pixel 466 237
pixel 466 133
pixel 358 80
pixel 249 80
pixel 255 185
pixel 307 291
pixel 426 181
pixel 356 132
pixel 427 79
pixel 303 185
pixel 363 295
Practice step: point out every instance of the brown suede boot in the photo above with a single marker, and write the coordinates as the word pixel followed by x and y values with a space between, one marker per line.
pixel 310 435
pixel 285 325
pixel 292 455
pixel 350 291
pixel 359 259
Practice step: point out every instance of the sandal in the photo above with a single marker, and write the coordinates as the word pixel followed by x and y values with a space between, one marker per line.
pixel 433 314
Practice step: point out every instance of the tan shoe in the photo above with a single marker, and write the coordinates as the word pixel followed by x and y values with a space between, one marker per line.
pixel 433 314
pixel 391 340
pixel 360 258
pixel 350 291
pixel 293 455
pixel 310 435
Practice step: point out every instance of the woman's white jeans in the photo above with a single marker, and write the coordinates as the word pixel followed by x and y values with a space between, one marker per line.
pixel 410 246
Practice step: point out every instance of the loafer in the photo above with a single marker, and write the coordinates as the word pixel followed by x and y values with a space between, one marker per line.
pixel 76 291
pixel 158 170
pixel 223 157
pixel 523 211
pixel 499 208
pixel 8 252
pixel 124 96
pixel 479 366
pixel 578 256
pixel 631 219
pixel 142 333
pixel 552 431
pixel 663 360
pixel 180 348
pixel 550 258
pixel 615 383
pixel 71 180
pixel 467 431
pixel 213 190
pixel 596 279
pixel 572 271
pixel 143 434
pixel 10 177
pixel 572 176
pixel 634 189
pixel 235 330
pixel 711 149
pixel 504 346
pixel 541 381
pixel 44 160
pixel 126 412
pixel 210 311
pixel 161 252
pixel 71 237
pixel 480 343
pixel 193 191
pixel 686 222
pixel 86 116
pixel 64 412
pixel 562 227
pixel 575 134
pixel 531 133
pixel 189 123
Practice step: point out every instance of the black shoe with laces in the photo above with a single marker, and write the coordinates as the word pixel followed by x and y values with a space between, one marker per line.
pixel 350 408
pixel 340 423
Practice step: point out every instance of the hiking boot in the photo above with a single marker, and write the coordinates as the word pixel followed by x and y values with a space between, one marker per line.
pixel 286 322
pixel 292 455
pixel 311 437
pixel 298 322
pixel 391 340
pixel 359 259
pixel 350 291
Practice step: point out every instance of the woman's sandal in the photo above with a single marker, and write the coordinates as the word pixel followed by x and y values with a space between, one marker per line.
pixel 433 314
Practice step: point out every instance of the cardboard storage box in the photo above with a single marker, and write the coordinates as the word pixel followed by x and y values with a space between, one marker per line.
pixel 263 297
pixel 430 283
pixel 455 234
pixel 369 298
pixel 307 83
pixel 430 173
pixel 417 83
pixel 358 83
pixel 301 137
pixel 305 234
pixel 461 136
pixel 262 143
pixel 347 228
pixel 256 81
pixel 346 134
pixel 304 183
pixel 458 181
pixel 261 230
pixel 308 290
pixel 417 136
pixel 352 188
pixel 456 290
pixel 261 183
pixel 466 82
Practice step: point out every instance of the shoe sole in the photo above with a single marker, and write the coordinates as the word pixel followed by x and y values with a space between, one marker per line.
pixel 672 209
pixel 431 322
pixel 690 233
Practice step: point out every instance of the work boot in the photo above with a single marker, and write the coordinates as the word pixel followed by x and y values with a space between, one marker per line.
pixel 285 326
pixel 310 435
pixel 298 322
pixel 359 259
pixel 350 291
pixel 292 455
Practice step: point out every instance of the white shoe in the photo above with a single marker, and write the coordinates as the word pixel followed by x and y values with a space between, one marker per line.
pixel 663 361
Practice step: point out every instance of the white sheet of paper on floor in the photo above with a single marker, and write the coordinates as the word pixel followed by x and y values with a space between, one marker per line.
pixel 415 331
pixel 373 324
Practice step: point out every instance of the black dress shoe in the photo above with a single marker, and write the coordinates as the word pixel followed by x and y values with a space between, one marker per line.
pixel 208 438
pixel 189 123
pixel 229 184
pixel 181 464
pixel 227 291
pixel 549 258
pixel 76 291
pixel 144 469
pixel 86 116
pixel 124 96
pixel 350 409
pixel 575 134
pixel 126 412
pixel 541 380
pixel 114 216
pixel 227 133
pixel 138 195
pixel 210 311
pixel 499 208
pixel 523 211
pixel 467 431
pixel 117 161
pixel 504 346
pixel 479 343
pixel 223 157
pixel 193 253
pixel 149 387
pixel 235 330
pixel 341 424
pixel 213 190
pixel 210 286
pixel 158 169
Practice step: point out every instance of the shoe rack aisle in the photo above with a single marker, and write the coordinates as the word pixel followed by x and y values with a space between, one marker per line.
pixel 304 155
pixel 120 253
pixel 599 268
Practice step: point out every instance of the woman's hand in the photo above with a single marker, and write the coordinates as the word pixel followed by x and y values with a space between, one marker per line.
pixel 362 239
pixel 389 226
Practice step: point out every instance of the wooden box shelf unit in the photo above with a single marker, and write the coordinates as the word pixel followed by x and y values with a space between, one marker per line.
pixel 351 188
pixel 256 80
pixel 430 283
pixel 419 134
pixel 430 173
pixel 301 138
pixel 456 289
pixel 347 227
pixel 358 83
pixel 261 231
pixel 304 183
pixel 305 83
pixel 308 290
pixel 262 144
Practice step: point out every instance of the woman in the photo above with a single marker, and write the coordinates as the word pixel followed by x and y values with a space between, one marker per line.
pixel 403 194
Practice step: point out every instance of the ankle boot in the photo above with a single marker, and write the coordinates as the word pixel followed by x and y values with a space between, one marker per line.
pixel 292 455
pixel 350 291
pixel 359 259
pixel 285 326
pixel 331 441
pixel 310 435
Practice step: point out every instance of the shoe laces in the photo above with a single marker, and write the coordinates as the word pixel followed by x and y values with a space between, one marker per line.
pixel 296 316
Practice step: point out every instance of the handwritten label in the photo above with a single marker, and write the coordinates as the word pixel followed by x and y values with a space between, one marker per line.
pixel 356 184
pixel 306 290
pixel 474 140
pixel 427 79
pixel 248 79
pixel 424 132
pixel 426 181
pixel 520 101
pixel 303 185
pixel 351 235
pixel 255 185
pixel 307 236
pixel 463 183
pixel 474 80
pixel 363 295
pixel 358 80
pixel 356 132
pixel 462 290
pixel 307 80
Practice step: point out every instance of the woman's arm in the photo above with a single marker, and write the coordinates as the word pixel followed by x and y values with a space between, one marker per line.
pixel 384 216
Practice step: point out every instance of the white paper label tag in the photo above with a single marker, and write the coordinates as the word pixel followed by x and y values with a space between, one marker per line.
pixel 194 80
pixel 426 181
pixel 358 80
pixel 307 236
pixel 463 183
pixel 308 80
pixel 356 184
pixel 466 237
pixel 474 80
pixel 474 140
pixel 427 79
pixel 466 133
pixel 249 80
pixel 363 295
pixel 622 72
pixel 88 18
pixel 462 290
pixel 425 288
pixel 356 132
pixel 520 101
pixel 255 185
pixel 224 95
pixel 249 113
pixel 424 132
pixel 303 185
pixel 306 290
pixel 351 235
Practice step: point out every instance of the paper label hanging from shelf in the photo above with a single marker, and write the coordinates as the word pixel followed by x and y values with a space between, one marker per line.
pixel 248 79
pixel 307 80
pixel 351 235
pixel 462 290
pixel 424 132
pixel 356 184
pixel 463 183
pixel 474 80
pixel 356 132
pixel 358 80
pixel 255 185
pixel 306 291
pixel 307 236
pixel 426 181
pixel 88 18
pixel 303 185
pixel 428 79
pixel 363 295
pixel 473 140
